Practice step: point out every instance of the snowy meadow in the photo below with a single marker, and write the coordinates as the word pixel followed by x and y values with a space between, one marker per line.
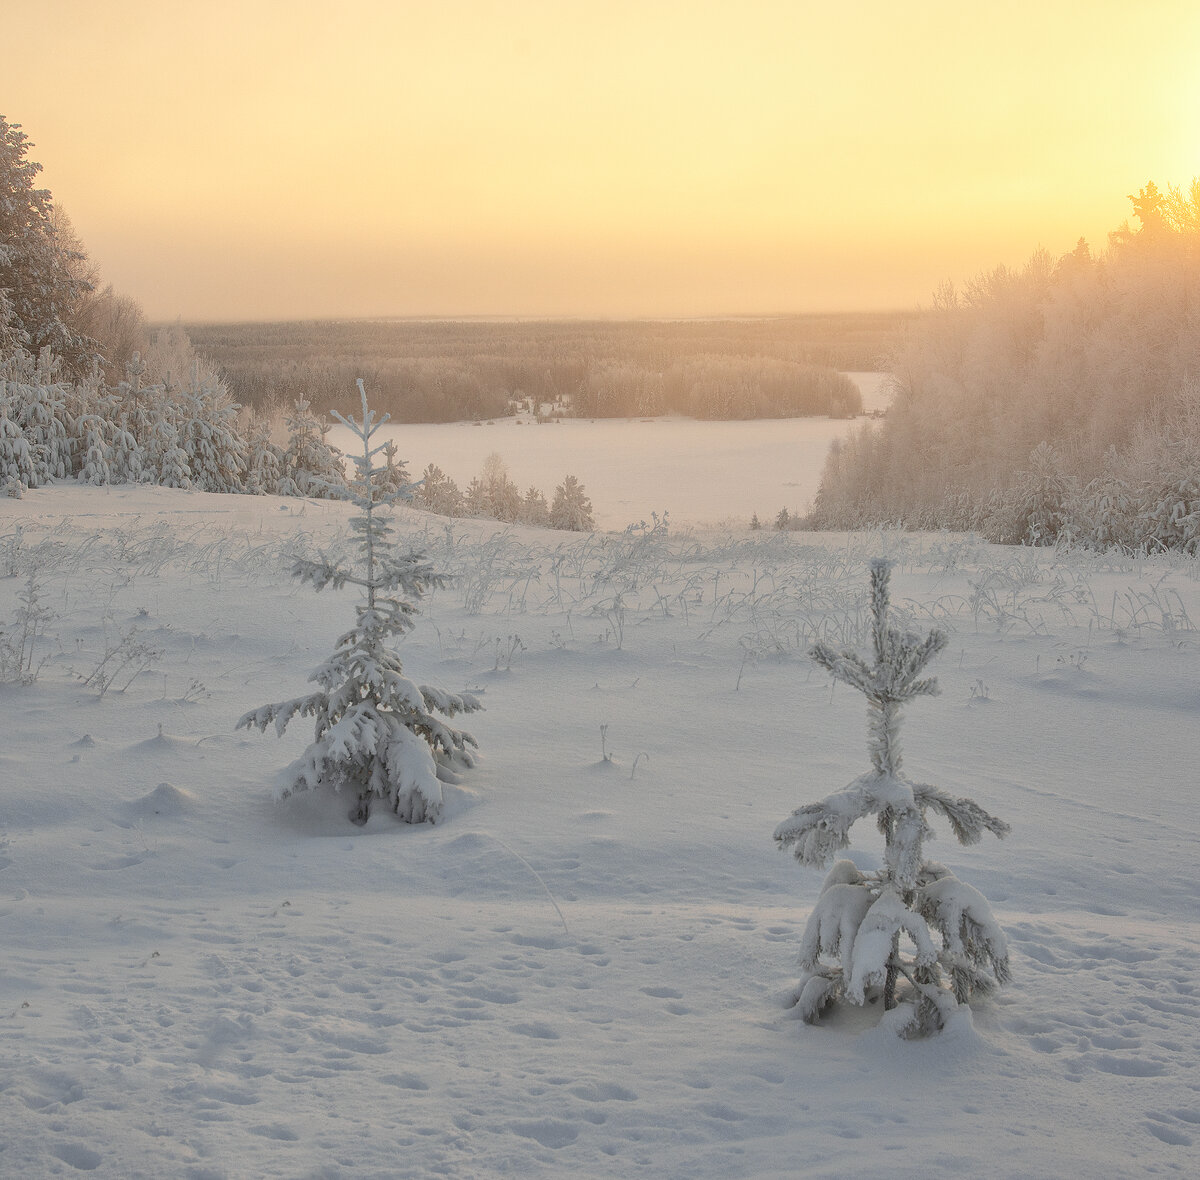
pixel 583 969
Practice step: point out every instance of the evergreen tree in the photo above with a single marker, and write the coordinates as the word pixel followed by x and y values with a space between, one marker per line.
pixel 311 466
pixel 208 436
pixel 571 508
pixel 41 284
pixel 394 475
pixel 173 470
pixel 37 404
pixel 16 463
pixel 264 461
pixel 860 917
pixel 501 497
pixel 475 502
pixel 439 493
pixel 534 509
pixel 94 449
pixel 377 735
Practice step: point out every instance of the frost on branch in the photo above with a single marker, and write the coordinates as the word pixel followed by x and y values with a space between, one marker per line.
pixel 910 931
pixel 378 734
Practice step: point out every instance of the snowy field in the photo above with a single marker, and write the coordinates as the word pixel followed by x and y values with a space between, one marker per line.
pixel 581 971
pixel 701 473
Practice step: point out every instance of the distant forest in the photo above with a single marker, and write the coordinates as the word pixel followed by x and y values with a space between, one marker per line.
pixel 1057 402
pixel 445 371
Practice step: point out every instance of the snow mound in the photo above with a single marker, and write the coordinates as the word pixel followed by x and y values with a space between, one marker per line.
pixel 164 743
pixel 165 800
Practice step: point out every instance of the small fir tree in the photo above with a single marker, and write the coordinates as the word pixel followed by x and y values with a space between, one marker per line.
pixel 377 735
pixel 860 918
pixel 94 449
pixel 571 508
pixel 311 466
pixel 534 509
pixel 439 493
pixel 208 436
pixel 394 475
pixel 16 463
pixel 264 460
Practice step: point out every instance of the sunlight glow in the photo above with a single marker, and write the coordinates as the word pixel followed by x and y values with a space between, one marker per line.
pixel 535 157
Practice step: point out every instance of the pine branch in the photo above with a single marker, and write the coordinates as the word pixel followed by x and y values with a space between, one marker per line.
pixel 967 819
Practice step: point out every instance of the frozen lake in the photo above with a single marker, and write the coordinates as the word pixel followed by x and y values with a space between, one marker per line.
pixel 699 472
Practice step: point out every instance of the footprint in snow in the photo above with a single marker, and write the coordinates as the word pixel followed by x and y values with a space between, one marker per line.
pixel 548 1132
pixel 76 1155
pixel 537 1030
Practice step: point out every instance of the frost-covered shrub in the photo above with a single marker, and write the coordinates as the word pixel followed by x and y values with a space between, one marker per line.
pixel 909 931
pixel 378 735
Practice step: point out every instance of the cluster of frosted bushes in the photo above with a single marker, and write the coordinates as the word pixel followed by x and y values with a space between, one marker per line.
pixel 1144 501
pixel 181 436
pixel 193 436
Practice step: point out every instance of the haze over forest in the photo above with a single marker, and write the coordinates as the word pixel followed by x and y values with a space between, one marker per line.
pixel 263 161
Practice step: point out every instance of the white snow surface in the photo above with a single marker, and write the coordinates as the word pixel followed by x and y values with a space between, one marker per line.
pixel 700 472
pixel 582 970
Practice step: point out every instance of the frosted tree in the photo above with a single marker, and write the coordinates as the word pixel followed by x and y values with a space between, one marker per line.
pixel 311 466
pixel 571 508
pixel 172 467
pixel 37 404
pixel 377 733
pixel 498 496
pixel 439 493
pixel 264 460
pixel 16 463
pixel 94 449
pixel 394 474
pixel 208 436
pixel 909 930
pixel 41 282
pixel 534 509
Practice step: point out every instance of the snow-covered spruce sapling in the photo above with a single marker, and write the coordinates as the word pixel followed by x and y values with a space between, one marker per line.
pixel 377 736
pixel 851 947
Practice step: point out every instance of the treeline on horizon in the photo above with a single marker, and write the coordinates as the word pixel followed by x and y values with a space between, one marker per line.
pixel 456 370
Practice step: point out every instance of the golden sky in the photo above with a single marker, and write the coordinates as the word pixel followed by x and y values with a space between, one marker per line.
pixel 283 159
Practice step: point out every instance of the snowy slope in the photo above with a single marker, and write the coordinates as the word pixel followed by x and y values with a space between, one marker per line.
pixel 581 971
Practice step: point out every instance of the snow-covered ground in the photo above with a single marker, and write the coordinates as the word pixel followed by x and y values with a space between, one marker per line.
pixel 581 971
pixel 701 473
